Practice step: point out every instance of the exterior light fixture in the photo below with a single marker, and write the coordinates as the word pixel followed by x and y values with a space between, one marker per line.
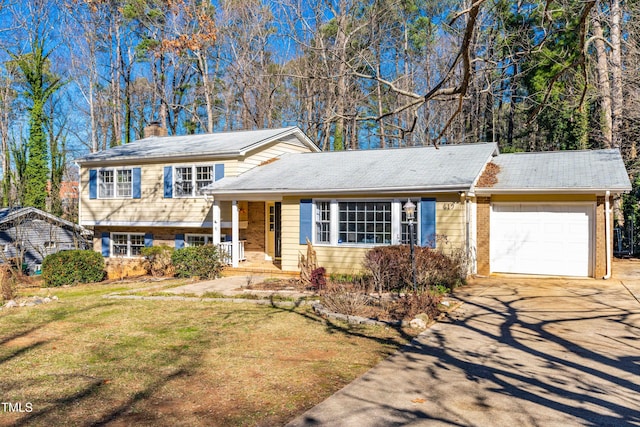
pixel 410 211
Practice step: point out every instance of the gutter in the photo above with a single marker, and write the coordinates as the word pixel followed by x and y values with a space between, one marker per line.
pixel 238 194
pixel 108 161
pixel 491 191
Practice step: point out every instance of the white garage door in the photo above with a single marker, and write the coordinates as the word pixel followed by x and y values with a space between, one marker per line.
pixel 551 239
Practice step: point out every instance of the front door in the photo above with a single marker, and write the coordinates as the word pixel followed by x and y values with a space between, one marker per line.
pixel 273 235
pixel 278 229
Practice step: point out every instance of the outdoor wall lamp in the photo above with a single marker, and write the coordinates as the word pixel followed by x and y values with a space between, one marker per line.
pixel 410 211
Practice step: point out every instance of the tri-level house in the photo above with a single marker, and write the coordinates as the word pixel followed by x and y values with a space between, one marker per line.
pixel 148 192
pixel 262 195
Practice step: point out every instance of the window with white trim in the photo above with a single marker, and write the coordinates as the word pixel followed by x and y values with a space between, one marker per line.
pixel 364 222
pixel 197 239
pixel 127 244
pixel 323 222
pixel 115 183
pixel 360 222
pixel 188 180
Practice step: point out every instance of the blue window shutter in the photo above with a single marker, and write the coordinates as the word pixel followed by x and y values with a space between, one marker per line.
pixel 219 171
pixel 106 244
pixel 306 221
pixel 179 241
pixel 93 184
pixel 148 240
pixel 428 222
pixel 168 182
pixel 137 178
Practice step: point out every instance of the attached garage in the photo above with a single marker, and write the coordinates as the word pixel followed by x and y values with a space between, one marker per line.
pixel 548 213
pixel 548 239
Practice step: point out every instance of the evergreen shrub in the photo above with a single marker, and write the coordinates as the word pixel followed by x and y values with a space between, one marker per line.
pixel 197 261
pixel 73 267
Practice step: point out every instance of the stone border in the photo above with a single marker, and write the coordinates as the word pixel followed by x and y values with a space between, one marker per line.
pixel 270 302
pixel 355 320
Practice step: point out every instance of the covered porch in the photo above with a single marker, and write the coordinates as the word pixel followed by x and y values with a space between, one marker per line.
pixel 248 233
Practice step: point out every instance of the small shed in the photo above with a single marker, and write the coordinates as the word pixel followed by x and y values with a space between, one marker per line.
pixel 28 235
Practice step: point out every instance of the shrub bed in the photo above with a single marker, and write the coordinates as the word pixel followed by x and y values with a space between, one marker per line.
pixel 197 261
pixel 72 267
pixel 390 268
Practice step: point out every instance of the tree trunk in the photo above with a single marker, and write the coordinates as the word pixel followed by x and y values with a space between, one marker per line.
pixel 604 86
pixel 616 74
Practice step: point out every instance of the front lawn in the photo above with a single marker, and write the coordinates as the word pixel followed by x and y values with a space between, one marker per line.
pixel 87 360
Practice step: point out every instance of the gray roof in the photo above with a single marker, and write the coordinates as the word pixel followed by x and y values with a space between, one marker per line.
pixel 9 215
pixel 222 144
pixel 447 168
pixel 561 171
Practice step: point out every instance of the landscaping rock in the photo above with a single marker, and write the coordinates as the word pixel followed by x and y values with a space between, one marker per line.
pixel 418 323
pixel 10 304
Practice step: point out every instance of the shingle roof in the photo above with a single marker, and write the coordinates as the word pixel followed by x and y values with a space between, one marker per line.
pixel 212 144
pixel 561 170
pixel 7 215
pixel 450 167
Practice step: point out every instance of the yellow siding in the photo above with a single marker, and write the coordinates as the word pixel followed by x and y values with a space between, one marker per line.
pixel 450 228
pixel 265 154
pixel 152 206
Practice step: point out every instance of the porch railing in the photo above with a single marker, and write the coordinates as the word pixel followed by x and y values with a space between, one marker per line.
pixel 226 252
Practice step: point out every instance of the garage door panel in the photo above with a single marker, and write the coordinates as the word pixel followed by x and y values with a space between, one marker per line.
pixel 552 239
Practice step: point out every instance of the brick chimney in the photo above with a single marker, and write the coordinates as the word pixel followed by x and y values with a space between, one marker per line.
pixel 155 129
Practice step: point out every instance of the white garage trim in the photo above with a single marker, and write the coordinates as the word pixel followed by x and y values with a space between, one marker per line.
pixel 543 238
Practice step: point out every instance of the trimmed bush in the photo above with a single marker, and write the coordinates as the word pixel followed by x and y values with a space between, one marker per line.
pixel 72 267
pixel 197 261
pixel 390 268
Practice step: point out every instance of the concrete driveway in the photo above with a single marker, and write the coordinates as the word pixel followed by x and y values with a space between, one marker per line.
pixel 518 352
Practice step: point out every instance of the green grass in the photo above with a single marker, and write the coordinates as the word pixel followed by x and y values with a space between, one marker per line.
pixel 87 359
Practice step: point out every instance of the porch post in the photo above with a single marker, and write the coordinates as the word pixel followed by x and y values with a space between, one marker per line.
pixel 216 223
pixel 235 234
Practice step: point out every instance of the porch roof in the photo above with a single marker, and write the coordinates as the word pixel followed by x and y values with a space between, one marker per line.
pixel 424 169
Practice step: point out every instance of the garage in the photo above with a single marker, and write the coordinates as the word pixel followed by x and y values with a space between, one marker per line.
pixel 548 239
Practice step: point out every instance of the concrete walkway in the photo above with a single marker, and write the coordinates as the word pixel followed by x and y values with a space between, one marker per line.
pixel 233 286
pixel 519 352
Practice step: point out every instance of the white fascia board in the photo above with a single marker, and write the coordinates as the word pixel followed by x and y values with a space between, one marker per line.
pixel 491 191
pixel 279 193
pixel 168 159
pixel 294 130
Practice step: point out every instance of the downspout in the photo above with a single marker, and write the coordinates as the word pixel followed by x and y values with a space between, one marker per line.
pixel 465 206
pixel 607 234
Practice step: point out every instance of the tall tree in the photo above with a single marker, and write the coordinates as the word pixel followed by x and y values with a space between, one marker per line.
pixel 39 85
